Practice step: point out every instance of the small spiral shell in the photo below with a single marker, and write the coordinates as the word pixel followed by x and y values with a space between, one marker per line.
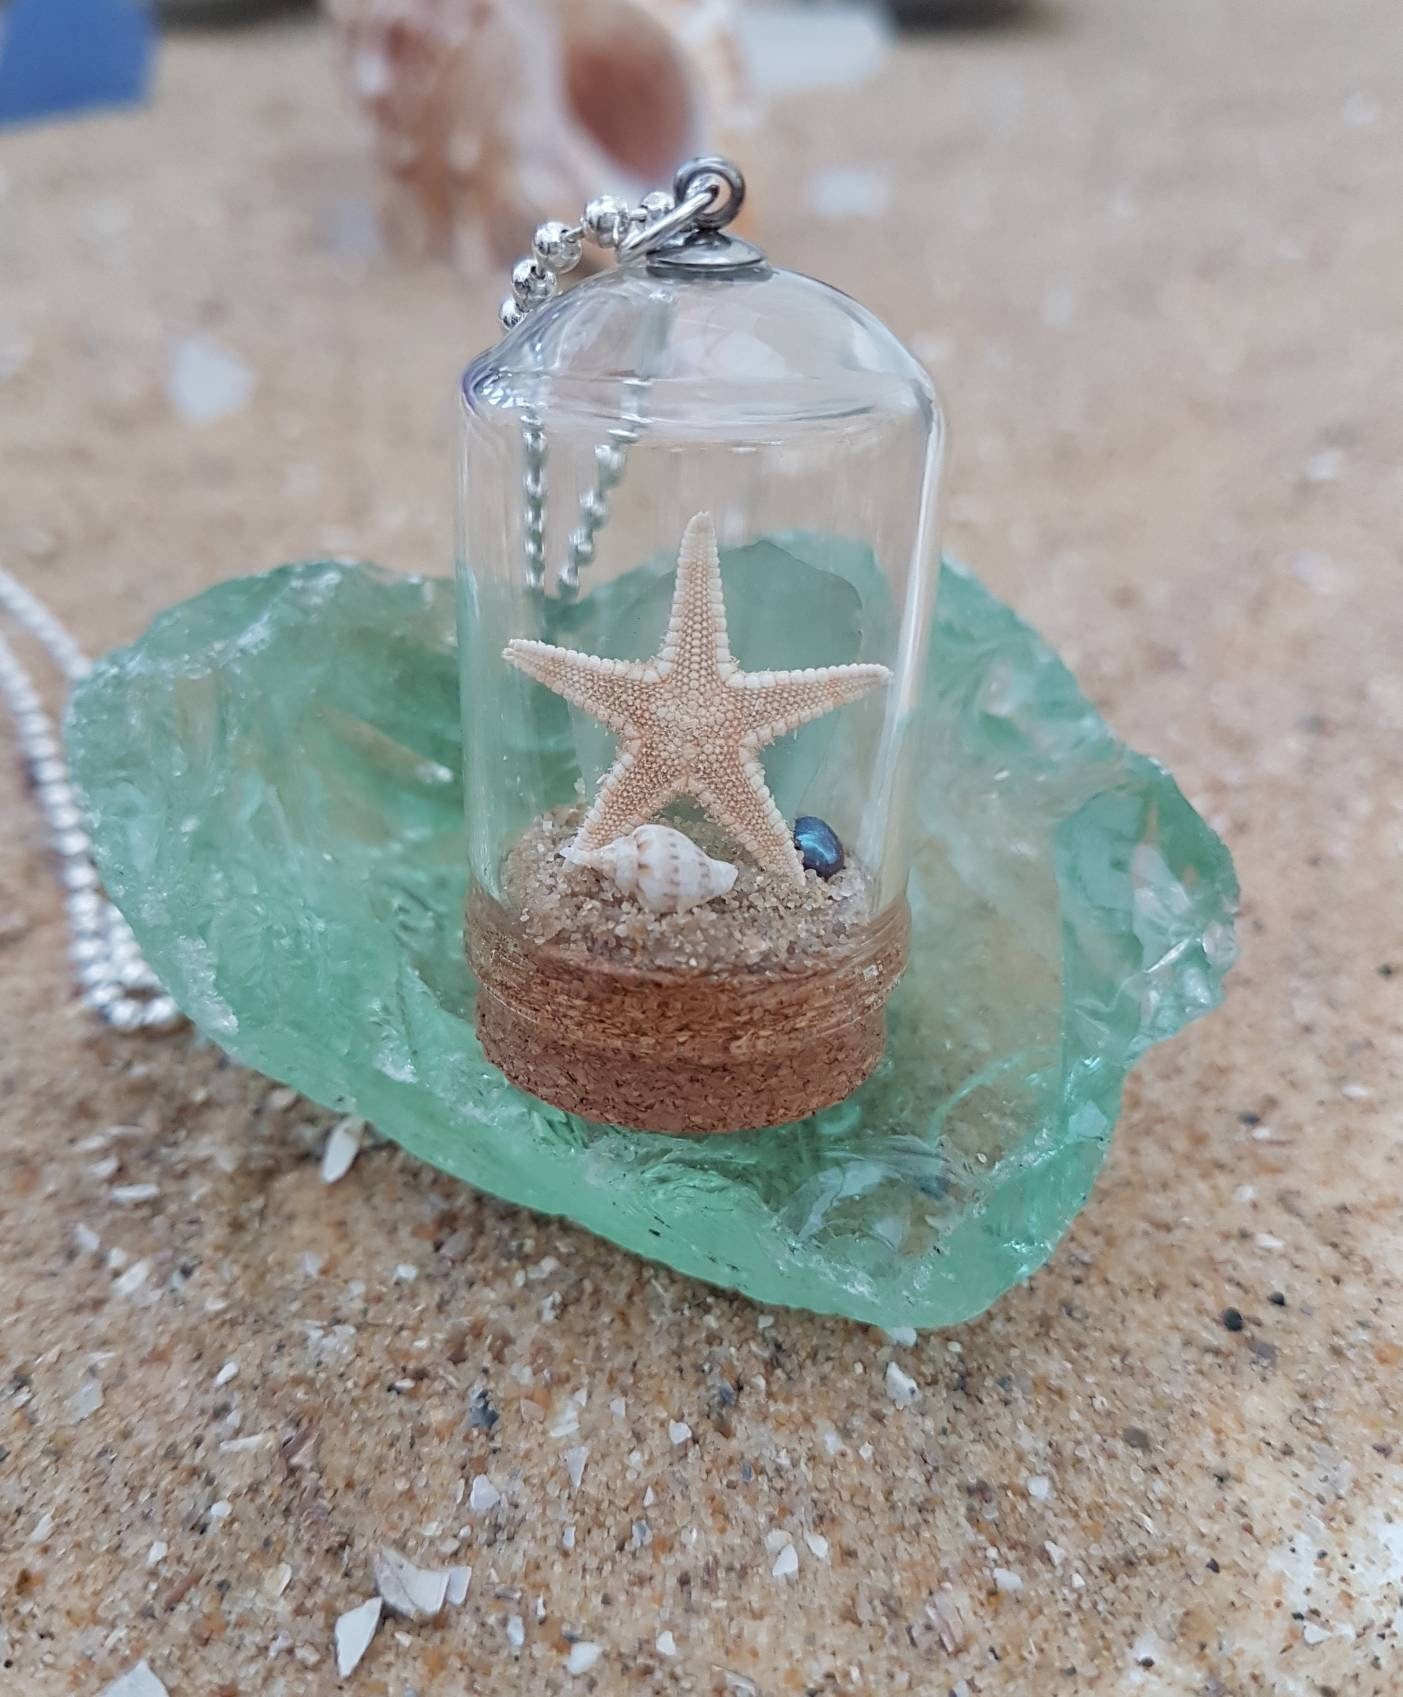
pixel 664 869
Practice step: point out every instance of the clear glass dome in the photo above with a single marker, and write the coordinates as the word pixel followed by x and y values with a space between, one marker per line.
pixel 592 437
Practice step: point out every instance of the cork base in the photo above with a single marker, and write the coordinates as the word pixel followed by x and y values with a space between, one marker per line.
pixel 678 1051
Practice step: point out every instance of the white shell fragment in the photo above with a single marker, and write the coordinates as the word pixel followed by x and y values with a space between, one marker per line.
pixel 901 1387
pixel 354 1630
pixel 341 1149
pixel 417 1593
pixel 663 868
pixel 484 1495
pixel 136 1682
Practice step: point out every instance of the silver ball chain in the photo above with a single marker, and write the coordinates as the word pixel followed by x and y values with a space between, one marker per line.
pixel 116 983
pixel 611 224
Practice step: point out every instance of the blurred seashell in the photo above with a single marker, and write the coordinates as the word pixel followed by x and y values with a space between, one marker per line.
pixel 493 115
pixel 663 868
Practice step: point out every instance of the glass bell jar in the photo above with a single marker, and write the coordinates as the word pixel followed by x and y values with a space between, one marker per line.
pixel 697 557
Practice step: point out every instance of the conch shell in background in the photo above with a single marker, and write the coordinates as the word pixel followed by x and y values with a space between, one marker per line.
pixel 492 115
pixel 664 869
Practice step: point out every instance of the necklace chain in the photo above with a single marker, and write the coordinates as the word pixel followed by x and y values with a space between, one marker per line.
pixel 114 981
pixel 556 248
pixel 701 187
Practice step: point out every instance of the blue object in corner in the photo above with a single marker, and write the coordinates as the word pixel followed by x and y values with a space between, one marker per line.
pixel 64 56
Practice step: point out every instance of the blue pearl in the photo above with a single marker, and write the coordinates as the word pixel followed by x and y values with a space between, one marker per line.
pixel 818 846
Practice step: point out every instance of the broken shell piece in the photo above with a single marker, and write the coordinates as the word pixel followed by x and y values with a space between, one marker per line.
pixel 663 868
pixel 417 1593
pixel 353 1632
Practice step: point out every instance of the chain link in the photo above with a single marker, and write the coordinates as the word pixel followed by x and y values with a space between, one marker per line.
pixel 115 982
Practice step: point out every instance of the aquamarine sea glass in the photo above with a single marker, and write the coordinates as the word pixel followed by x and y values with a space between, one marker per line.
pixel 272 773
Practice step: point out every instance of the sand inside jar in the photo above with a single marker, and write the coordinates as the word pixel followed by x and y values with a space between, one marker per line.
pixel 761 922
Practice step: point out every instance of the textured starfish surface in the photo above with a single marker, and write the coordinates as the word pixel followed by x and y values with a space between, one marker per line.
pixel 690 722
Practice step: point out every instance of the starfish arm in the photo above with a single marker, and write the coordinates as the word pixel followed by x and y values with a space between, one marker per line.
pixel 632 791
pixel 696 645
pixel 779 702
pixel 608 690
pixel 731 787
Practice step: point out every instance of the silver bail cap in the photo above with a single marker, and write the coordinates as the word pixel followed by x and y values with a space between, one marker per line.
pixel 709 191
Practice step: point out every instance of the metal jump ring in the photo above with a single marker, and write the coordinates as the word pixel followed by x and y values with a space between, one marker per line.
pixel 711 169
pixel 688 211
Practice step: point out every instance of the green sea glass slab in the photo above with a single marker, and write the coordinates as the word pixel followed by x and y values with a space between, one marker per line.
pixel 272 773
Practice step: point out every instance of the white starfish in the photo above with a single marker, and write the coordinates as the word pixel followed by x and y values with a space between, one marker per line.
pixel 689 721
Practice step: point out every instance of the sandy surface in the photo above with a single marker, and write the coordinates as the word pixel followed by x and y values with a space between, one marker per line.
pixel 1153 255
pixel 759 922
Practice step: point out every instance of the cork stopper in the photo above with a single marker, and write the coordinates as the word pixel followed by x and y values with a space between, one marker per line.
pixel 672 1049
